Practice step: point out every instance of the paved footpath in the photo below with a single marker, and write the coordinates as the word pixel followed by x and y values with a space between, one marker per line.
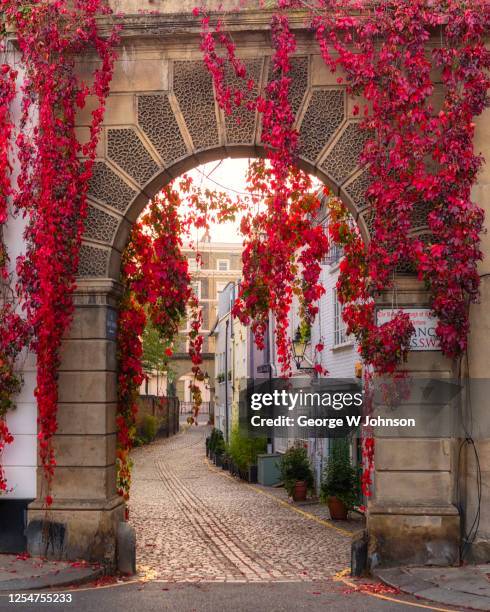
pixel 195 523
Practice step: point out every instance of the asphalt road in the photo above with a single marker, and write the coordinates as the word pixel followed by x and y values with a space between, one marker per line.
pixel 211 597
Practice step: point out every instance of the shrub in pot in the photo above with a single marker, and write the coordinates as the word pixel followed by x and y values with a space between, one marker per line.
pixel 257 447
pixel 233 468
pixel 219 451
pixel 243 451
pixel 148 429
pixel 216 442
pixel 296 472
pixel 225 461
pixel 339 486
pixel 210 443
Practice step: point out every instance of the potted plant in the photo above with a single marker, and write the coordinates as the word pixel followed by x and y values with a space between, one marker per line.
pixel 243 451
pixel 339 486
pixel 238 451
pixel 257 447
pixel 296 472
pixel 216 444
pixel 219 451
pixel 225 462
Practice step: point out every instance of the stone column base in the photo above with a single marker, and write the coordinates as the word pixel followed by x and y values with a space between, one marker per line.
pixel 74 529
pixel 419 535
pixel 478 552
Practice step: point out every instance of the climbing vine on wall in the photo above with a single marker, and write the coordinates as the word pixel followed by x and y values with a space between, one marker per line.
pixel 419 152
pixel 419 155
pixel 53 177
pixel 12 330
pixel 386 346
pixel 283 250
pixel 157 287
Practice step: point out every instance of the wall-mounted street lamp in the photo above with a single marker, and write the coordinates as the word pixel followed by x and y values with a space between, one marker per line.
pixel 300 344
pixel 299 349
pixel 206 380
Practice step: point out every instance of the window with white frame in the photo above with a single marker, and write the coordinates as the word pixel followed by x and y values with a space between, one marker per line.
pixel 339 335
pixel 186 323
pixel 335 251
pixel 193 264
pixel 196 288
pixel 219 288
pixel 223 265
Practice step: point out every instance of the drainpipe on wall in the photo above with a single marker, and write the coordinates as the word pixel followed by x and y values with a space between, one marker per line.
pixel 272 372
pixel 226 379
pixel 233 355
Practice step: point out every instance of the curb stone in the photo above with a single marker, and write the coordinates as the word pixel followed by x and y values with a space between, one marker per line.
pixel 434 590
pixel 66 577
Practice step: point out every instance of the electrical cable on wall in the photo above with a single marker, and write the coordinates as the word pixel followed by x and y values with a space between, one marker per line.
pixel 468 536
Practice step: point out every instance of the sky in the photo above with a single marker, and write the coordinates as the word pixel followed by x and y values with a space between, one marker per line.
pixel 225 175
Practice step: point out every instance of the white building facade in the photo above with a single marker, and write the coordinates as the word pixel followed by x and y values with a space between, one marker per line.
pixel 222 332
pixel 232 361
pixel 340 356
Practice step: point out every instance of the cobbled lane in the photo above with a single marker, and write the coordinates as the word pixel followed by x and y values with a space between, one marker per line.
pixel 195 523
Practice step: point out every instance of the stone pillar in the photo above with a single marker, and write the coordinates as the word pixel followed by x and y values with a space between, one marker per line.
pixel 478 548
pixel 86 509
pixel 412 517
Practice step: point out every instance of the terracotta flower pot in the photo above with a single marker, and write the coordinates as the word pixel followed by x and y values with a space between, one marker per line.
pixel 338 510
pixel 299 491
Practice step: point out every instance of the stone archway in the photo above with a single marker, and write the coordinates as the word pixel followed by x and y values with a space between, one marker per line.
pixel 162 138
pixel 162 119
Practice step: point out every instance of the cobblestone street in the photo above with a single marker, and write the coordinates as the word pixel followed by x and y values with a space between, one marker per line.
pixel 196 523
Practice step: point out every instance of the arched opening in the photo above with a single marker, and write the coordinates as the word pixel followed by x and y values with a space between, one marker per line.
pixel 94 387
pixel 150 137
pixel 185 488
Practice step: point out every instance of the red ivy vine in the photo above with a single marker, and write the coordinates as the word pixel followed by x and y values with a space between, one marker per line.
pixel 420 157
pixel 281 258
pixel 11 328
pixel 157 287
pixel 53 179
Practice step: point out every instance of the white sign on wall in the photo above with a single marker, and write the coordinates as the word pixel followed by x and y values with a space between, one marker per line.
pixel 424 338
